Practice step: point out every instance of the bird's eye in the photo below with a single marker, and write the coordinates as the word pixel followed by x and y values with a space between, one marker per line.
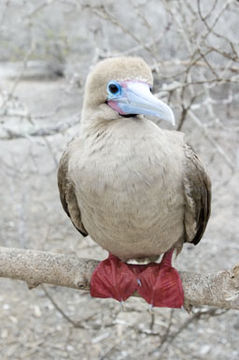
pixel 113 88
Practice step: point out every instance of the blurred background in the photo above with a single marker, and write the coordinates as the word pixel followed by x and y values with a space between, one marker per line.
pixel 46 50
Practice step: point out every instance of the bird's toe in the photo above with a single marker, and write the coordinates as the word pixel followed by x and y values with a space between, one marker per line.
pixel 112 278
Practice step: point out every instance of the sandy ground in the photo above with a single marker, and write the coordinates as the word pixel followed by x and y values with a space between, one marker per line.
pixel 31 217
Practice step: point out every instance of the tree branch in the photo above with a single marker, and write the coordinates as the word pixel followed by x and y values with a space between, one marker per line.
pixel 35 267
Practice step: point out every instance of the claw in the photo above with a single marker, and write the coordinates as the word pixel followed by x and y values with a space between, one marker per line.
pixel 139 282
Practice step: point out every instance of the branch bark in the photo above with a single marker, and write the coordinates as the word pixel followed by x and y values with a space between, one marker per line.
pixel 35 267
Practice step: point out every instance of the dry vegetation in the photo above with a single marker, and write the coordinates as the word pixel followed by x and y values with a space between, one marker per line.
pixel 46 50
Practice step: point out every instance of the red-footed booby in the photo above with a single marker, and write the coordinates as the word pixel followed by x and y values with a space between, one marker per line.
pixel 137 190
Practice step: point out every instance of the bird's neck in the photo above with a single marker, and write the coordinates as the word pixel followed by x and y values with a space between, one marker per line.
pixel 98 118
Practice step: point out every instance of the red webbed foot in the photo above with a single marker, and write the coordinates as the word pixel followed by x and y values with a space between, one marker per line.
pixel 161 285
pixel 112 278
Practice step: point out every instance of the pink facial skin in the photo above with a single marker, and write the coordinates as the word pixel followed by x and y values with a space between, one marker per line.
pixel 124 84
pixel 114 106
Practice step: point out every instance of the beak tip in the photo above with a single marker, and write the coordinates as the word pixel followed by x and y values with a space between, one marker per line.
pixel 172 118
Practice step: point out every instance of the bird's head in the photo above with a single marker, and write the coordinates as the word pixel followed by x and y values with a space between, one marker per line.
pixel 122 86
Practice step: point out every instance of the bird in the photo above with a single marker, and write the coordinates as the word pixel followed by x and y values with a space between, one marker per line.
pixel 137 190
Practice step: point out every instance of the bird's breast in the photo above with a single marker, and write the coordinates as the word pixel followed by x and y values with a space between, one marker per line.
pixel 127 188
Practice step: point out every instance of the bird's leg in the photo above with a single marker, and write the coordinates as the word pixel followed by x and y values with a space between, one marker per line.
pixel 113 278
pixel 161 285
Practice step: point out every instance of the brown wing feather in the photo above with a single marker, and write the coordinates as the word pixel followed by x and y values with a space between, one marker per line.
pixel 197 188
pixel 67 195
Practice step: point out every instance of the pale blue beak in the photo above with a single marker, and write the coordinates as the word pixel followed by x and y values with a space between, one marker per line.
pixel 134 97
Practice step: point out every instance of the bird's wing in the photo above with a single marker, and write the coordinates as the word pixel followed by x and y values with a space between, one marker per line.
pixel 197 189
pixel 67 194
